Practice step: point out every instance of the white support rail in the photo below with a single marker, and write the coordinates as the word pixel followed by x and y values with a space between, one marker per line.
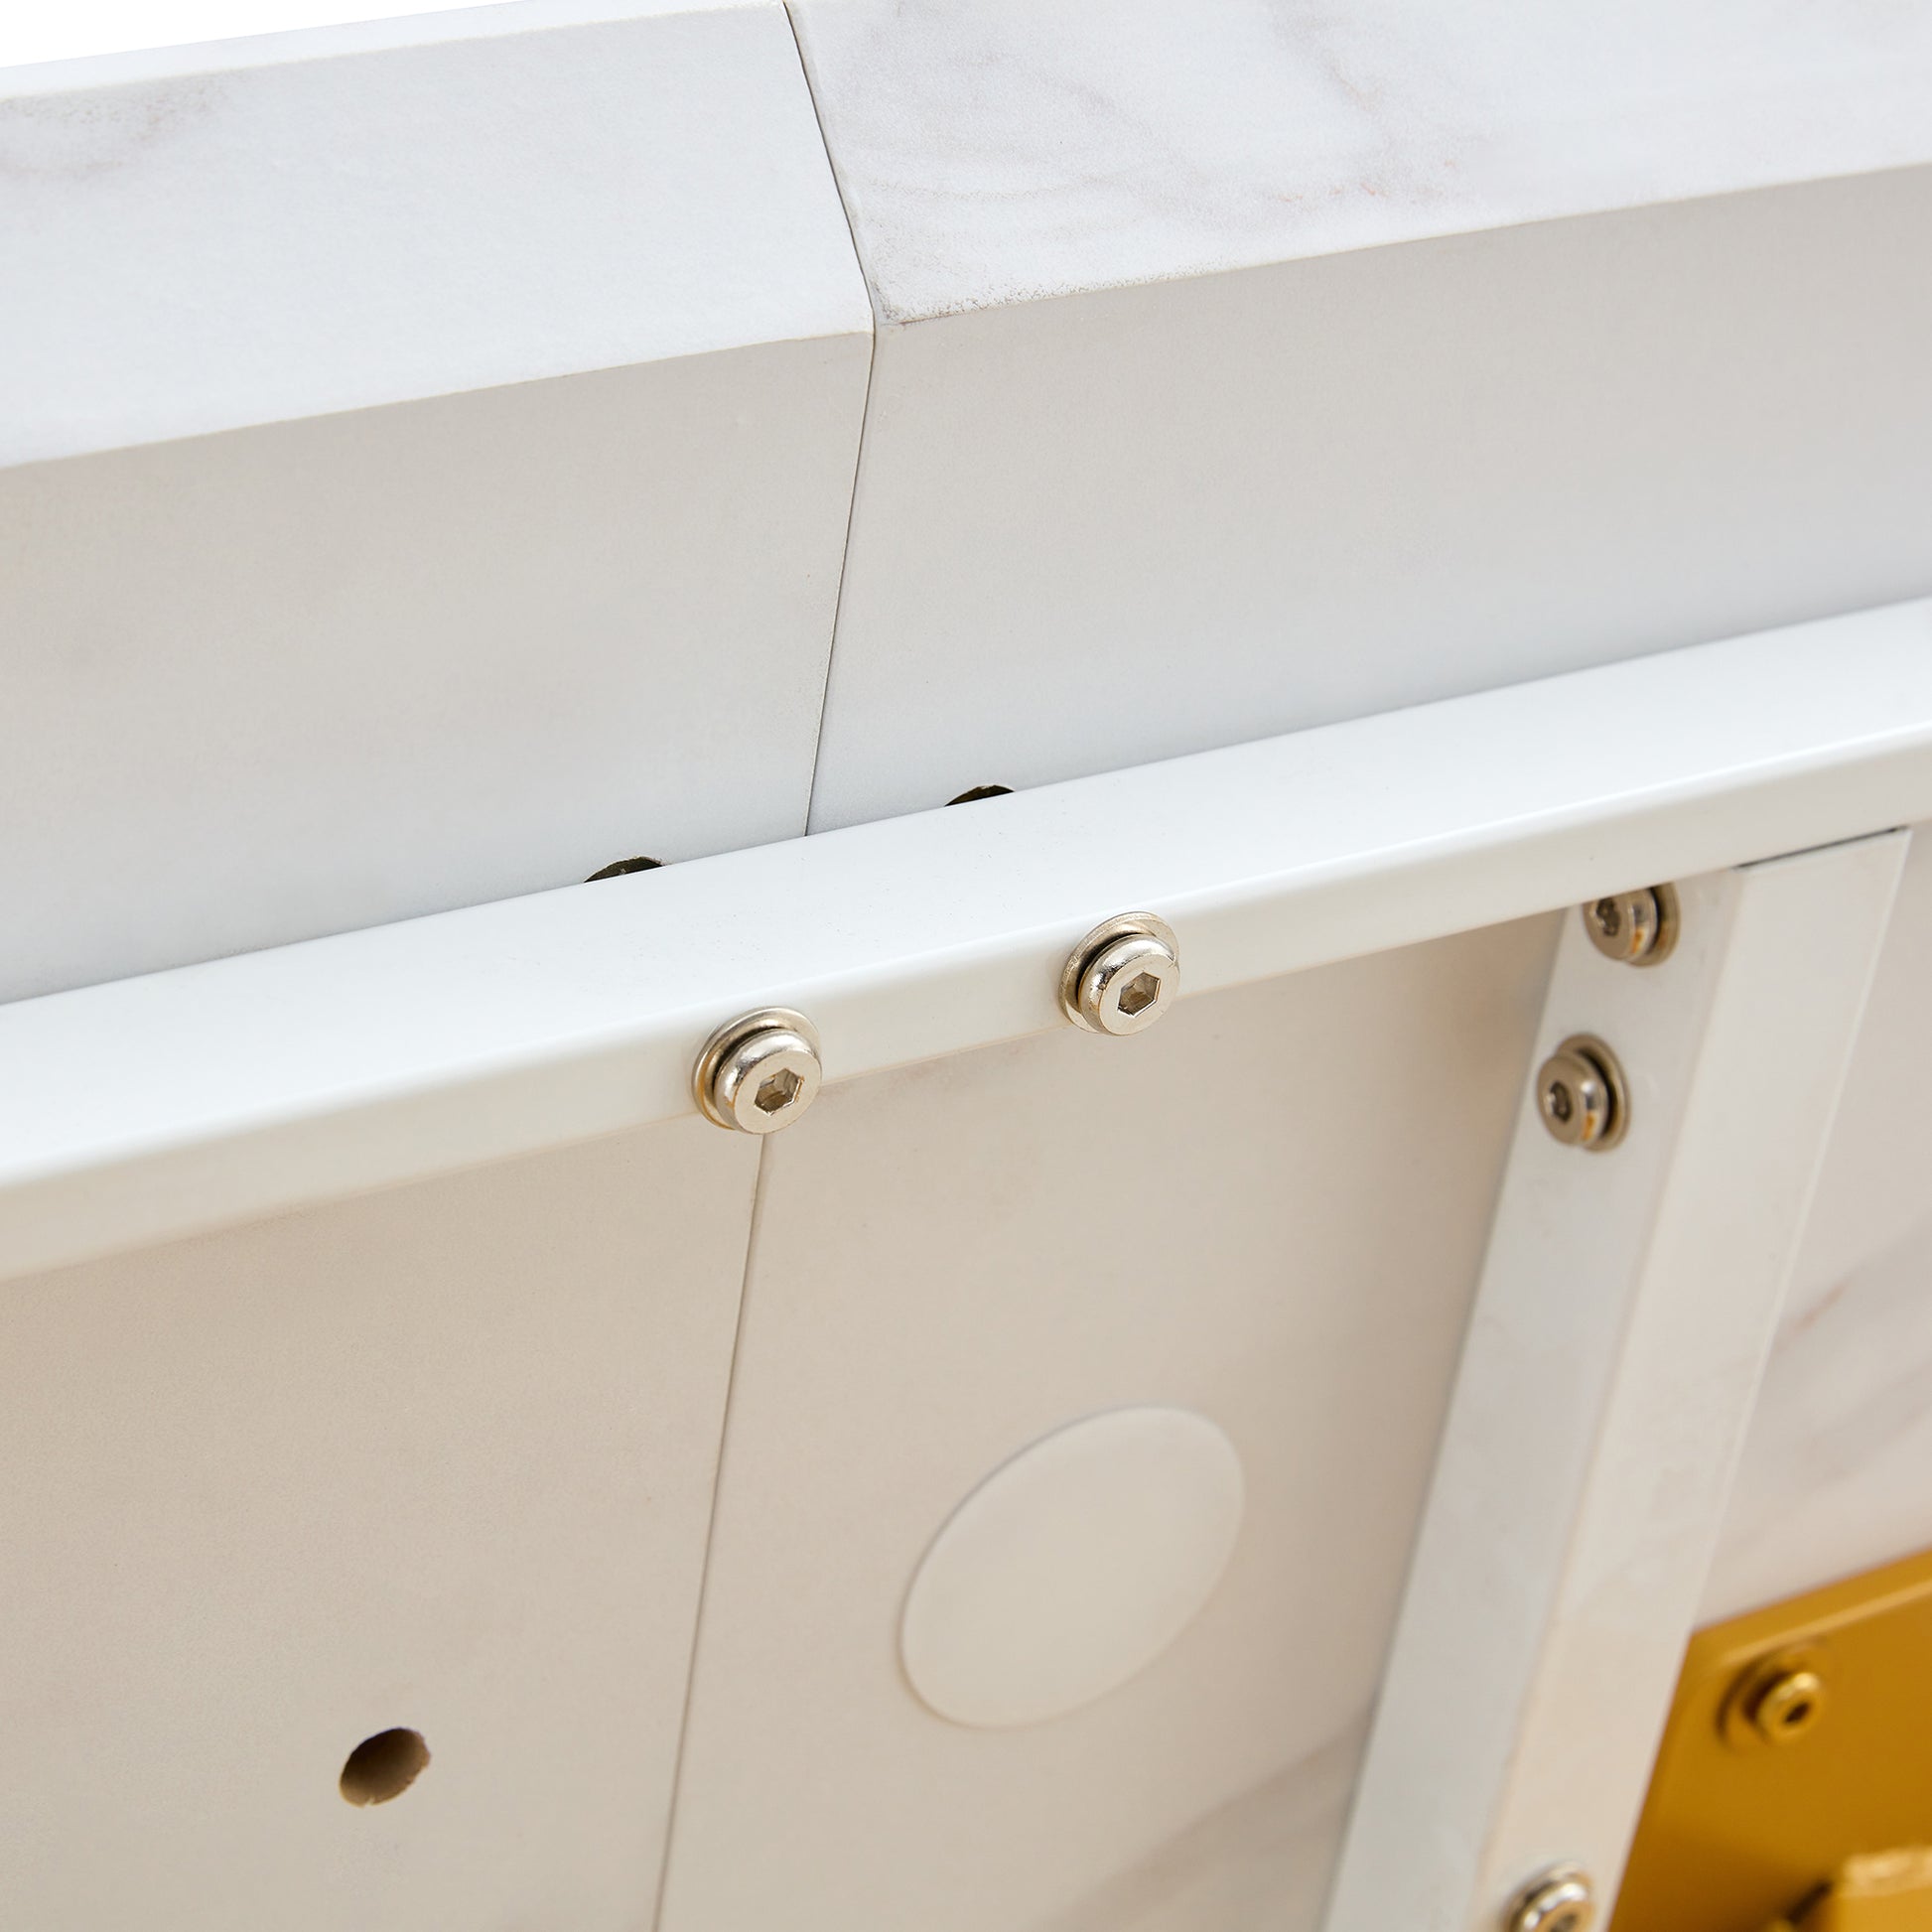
pixel 1609 1375
pixel 157 1107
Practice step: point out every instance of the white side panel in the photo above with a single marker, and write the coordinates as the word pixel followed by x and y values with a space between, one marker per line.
pixel 441 1459
pixel 1269 1211
pixel 1836 1471
pixel 431 468
pixel 1628 1303
pixel 329 674
pixel 1141 521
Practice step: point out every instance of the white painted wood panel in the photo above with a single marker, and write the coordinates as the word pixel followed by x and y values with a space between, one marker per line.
pixel 440 1459
pixel 429 475
pixel 953 1261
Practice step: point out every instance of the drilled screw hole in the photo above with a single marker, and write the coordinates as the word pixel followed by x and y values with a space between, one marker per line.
pixel 1140 994
pixel 384 1766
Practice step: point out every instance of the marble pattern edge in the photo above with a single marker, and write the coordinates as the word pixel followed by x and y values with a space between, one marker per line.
pixel 992 152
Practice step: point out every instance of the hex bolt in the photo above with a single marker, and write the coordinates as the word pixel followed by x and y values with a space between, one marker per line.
pixel 1123 976
pixel 1634 929
pixel 1582 1096
pixel 760 1072
pixel 1558 1901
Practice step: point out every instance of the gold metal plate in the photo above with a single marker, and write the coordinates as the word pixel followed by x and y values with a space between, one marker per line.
pixel 1799 1743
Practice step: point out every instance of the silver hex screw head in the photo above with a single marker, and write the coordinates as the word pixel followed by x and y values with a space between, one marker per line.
pixel 1582 1096
pixel 1634 929
pixel 1558 1901
pixel 760 1072
pixel 1123 976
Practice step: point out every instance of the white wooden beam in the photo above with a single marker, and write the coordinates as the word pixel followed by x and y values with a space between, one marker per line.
pixel 1627 1303
pixel 156 1107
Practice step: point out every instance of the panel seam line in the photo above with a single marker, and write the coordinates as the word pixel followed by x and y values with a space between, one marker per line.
pixel 864 415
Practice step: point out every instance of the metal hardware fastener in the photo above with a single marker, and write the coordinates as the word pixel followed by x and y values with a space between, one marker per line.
pixel 1777 1701
pixel 1788 1706
pixel 1123 976
pixel 1635 929
pixel 760 1072
pixel 1582 1096
pixel 1558 1901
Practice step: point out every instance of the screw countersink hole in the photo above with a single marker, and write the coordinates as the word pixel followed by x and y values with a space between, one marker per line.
pixel 778 1092
pixel 384 1766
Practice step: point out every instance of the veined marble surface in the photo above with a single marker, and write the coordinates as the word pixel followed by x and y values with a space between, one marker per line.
pixel 353 222
pixel 1836 1471
pixel 993 151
